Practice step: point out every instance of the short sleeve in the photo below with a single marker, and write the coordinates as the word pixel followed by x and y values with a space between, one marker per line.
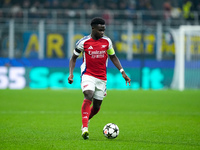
pixel 79 47
pixel 110 50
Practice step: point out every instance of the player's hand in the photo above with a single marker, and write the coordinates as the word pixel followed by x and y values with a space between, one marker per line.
pixel 126 78
pixel 70 79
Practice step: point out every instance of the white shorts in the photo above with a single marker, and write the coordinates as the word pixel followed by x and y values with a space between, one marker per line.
pixel 94 84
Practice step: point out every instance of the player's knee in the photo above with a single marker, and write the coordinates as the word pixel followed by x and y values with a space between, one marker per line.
pixel 97 107
pixel 88 95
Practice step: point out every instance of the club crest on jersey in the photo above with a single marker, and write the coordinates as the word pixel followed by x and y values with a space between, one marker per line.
pixel 103 46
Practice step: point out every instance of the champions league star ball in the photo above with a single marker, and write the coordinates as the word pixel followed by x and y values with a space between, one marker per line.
pixel 111 130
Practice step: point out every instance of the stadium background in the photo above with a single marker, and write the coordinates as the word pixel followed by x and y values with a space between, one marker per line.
pixel 147 52
pixel 36 41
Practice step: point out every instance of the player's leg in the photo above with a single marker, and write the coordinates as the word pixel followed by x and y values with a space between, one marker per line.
pixel 95 107
pixel 99 94
pixel 85 109
pixel 88 88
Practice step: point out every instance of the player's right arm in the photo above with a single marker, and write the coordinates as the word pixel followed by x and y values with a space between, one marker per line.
pixel 72 64
pixel 77 51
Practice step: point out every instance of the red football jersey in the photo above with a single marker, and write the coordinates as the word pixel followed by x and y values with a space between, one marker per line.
pixel 95 55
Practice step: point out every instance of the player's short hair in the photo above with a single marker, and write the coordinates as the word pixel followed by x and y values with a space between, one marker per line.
pixel 97 20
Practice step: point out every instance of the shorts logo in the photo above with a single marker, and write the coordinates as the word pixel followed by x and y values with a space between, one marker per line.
pixel 85 86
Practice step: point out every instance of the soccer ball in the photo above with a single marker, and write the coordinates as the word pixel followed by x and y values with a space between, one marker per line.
pixel 111 130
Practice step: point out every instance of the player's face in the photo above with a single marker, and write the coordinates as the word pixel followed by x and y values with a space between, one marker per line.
pixel 98 31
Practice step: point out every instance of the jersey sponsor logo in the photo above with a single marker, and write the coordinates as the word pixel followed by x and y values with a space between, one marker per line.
pixel 97 54
pixel 90 47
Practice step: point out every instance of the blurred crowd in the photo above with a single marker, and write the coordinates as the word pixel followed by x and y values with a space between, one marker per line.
pixel 78 4
pixel 171 8
pixel 99 4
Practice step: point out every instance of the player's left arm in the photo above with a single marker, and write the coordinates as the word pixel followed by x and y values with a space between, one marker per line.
pixel 117 63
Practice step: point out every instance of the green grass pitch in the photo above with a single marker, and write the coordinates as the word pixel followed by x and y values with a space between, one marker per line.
pixel 51 120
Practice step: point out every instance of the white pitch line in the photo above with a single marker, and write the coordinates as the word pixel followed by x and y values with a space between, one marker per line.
pixel 39 112
pixel 104 112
